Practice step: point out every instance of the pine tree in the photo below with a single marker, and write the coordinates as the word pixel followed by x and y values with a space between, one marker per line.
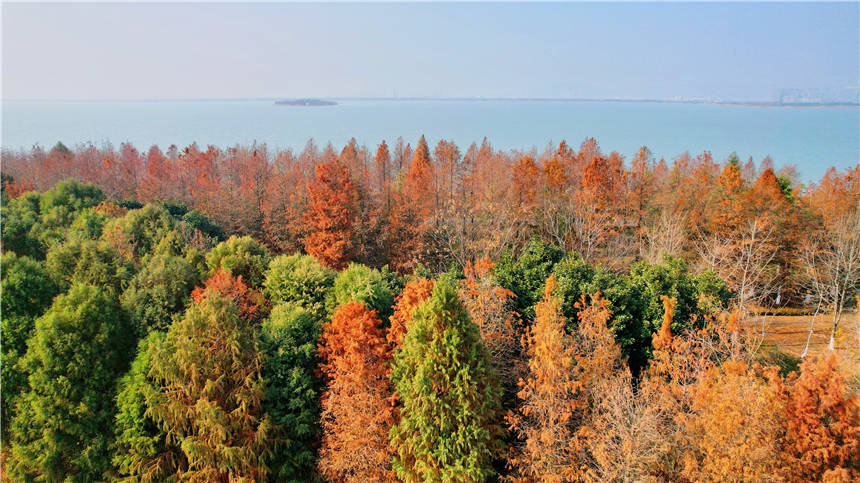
pixel 141 451
pixel 210 402
pixel 63 426
pixel 450 421
pixel 26 291
pixel 240 256
pixel 299 280
pixel 289 340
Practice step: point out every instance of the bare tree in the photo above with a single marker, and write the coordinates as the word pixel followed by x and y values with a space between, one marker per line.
pixel 832 260
pixel 665 237
pixel 743 259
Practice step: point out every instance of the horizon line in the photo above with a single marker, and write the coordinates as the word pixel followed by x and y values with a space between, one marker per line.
pixel 692 100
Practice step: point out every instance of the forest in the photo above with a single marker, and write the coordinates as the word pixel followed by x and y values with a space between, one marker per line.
pixel 408 313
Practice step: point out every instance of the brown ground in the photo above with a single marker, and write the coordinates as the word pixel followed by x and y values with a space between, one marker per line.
pixel 789 332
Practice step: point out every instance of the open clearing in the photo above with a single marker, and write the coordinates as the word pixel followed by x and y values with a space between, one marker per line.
pixel 789 334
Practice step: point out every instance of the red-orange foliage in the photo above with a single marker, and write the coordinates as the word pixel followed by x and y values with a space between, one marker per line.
pixel 411 221
pixel 383 174
pixel 285 202
pixel 414 293
pixel 554 177
pixel 356 405
pixel 836 193
pixel 641 181
pixel 490 307
pixel 662 339
pixel 730 207
pixel 331 215
pixel 822 421
pixel 15 188
pixel 545 420
pixel 418 181
pixel 251 303
pixel 602 178
pixel 735 426
pixel 525 179
pixel 598 356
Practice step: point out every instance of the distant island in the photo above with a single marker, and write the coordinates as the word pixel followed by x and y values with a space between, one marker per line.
pixel 305 102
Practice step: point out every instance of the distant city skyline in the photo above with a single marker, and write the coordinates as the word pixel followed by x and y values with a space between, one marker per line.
pixel 745 52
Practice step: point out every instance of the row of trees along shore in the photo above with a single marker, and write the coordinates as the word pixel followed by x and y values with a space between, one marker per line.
pixel 241 315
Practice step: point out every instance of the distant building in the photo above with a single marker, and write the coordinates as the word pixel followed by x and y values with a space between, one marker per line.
pixel 819 96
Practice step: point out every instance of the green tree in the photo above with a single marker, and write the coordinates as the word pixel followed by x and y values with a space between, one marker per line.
pixel 26 291
pixel 525 275
pixel 289 341
pixel 19 216
pixel 138 232
pixel 240 256
pixel 88 261
pixel 88 224
pixel 210 402
pixel 373 288
pixel 300 280
pixel 63 426
pixel 450 418
pixel 71 194
pixel 160 290
pixel 198 221
pixel 634 299
pixel 141 451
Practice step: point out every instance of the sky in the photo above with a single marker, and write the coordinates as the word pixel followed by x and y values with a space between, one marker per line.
pixel 729 51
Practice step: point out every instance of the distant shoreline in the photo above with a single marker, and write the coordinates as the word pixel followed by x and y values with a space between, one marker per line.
pixel 632 101
pixel 305 102
pixel 330 101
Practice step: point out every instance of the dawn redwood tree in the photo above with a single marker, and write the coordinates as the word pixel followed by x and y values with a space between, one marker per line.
pixel 822 433
pixel 331 215
pixel 414 293
pixel 284 203
pixel 525 183
pixel 544 421
pixel 208 368
pixel 250 303
pixel 449 426
pixel 735 427
pixel 357 411
pixel 490 306
pixel 63 425
pixel 412 218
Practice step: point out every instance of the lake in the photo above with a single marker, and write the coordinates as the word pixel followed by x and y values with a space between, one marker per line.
pixel 811 138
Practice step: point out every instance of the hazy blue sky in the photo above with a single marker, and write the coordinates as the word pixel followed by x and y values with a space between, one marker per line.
pixel 733 51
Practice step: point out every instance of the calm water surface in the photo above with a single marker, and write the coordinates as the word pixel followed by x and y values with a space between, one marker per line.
pixel 811 138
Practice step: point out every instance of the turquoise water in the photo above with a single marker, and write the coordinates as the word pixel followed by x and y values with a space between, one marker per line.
pixel 811 138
